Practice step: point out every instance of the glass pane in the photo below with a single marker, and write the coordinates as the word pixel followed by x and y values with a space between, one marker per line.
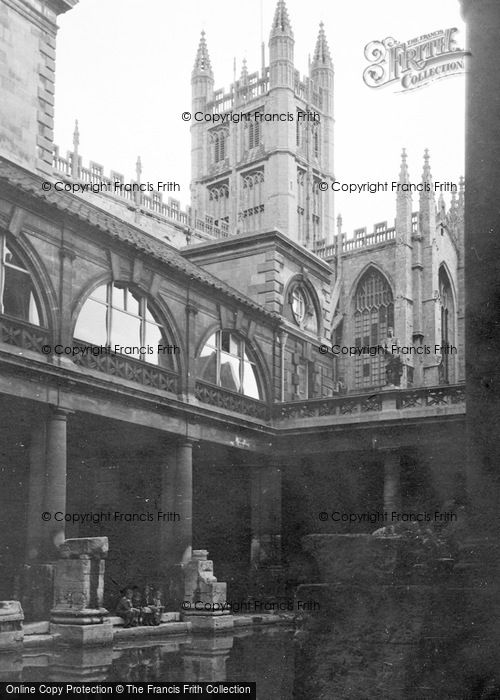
pixel 207 367
pixel 34 313
pixel 118 297
pixel 154 338
pixel 234 345
pixel 133 301
pixel 91 323
pixel 250 383
pixel 225 341
pixel 209 346
pixel 17 295
pixel 229 372
pixel 100 293
pixel 126 332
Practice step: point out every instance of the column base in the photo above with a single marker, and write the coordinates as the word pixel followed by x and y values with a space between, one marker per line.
pixel 83 635
pixel 80 617
pixel 11 624
pixel 209 623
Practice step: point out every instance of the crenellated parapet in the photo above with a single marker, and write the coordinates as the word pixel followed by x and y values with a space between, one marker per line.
pixel 135 200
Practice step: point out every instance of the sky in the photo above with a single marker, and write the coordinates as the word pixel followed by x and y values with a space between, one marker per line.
pixel 124 71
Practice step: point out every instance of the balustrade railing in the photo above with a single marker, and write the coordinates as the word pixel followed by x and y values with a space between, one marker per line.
pixel 30 337
pixel 22 334
pixel 397 399
pixel 231 401
pixel 435 396
pixel 170 211
pixel 144 373
pixel 380 235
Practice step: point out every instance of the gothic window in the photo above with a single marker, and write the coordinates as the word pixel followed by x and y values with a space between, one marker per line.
pixel 18 296
pixel 447 326
pixel 316 209
pixel 250 216
pixel 298 134
pixel 226 361
pixel 218 202
pixel 301 202
pixel 253 134
pixel 316 142
pixel 218 141
pixel 116 315
pixel 373 317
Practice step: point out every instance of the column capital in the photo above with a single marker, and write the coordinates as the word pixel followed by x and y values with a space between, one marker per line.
pixel 59 413
pixel 186 442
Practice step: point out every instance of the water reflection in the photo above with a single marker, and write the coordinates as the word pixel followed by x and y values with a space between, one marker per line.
pixel 403 645
pixel 264 656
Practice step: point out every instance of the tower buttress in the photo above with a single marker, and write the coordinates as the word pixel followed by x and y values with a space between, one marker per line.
pixel 322 72
pixel 202 90
pixel 281 43
pixel 431 310
pixel 322 78
pixel 202 77
pixel 403 297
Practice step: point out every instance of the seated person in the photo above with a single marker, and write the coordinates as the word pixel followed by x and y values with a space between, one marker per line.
pixel 158 607
pixel 149 609
pixel 137 602
pixel 126 609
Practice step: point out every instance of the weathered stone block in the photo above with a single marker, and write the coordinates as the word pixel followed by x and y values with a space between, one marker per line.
pixel 79 582
pixel 11 623
pixel 84 635
pixel 92 547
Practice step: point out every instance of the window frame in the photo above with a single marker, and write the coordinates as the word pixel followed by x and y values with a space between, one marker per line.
pixel 7 242
pixel 373 316
pixel 110 307
pixel 244 355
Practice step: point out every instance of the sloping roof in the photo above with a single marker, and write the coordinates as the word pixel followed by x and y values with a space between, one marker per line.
pixel 31 183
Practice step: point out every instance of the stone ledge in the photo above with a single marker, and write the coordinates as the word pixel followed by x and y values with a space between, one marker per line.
pixel 32 628
pixel 168 628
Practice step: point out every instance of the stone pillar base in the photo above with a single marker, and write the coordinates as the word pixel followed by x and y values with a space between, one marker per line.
pixel 11 624
pixel 79 583
pixel 210 623
pixel 205 602
pixel 83 634
pixel 80 617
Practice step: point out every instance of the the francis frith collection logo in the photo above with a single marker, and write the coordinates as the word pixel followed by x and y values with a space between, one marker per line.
pixel 414 63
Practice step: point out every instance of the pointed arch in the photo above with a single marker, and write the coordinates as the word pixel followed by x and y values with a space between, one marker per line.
pixel 373 322
pixel 448 325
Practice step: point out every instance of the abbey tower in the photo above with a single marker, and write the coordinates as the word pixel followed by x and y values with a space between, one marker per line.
pixel 260 150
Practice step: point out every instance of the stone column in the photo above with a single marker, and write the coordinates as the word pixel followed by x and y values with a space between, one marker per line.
pixel 168 529
pixel 392 483
pixel 176 533
pixel 265 516
pixel 35 491
pixel 184 500
pixel 55 484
